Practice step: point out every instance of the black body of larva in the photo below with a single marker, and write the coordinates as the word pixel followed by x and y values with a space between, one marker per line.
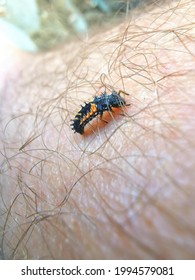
pixel 90 110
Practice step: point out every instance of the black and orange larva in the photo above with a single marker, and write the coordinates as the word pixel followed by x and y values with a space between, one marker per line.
pixel 97 106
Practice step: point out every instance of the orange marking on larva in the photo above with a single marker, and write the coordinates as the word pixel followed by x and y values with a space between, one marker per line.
pixel 97 106
pixel 93 108
pixel 85 118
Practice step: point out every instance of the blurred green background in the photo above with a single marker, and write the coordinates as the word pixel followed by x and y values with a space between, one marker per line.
pixel 34 25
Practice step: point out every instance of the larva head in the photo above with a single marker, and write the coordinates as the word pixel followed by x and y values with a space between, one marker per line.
pixel 116 101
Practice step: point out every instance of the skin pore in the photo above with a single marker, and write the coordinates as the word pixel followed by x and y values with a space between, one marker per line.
pixel 123 189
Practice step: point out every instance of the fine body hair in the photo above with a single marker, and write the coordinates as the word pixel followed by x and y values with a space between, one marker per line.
pixel 125 188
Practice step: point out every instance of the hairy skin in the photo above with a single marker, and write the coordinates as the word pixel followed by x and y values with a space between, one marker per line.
pixel 124 189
